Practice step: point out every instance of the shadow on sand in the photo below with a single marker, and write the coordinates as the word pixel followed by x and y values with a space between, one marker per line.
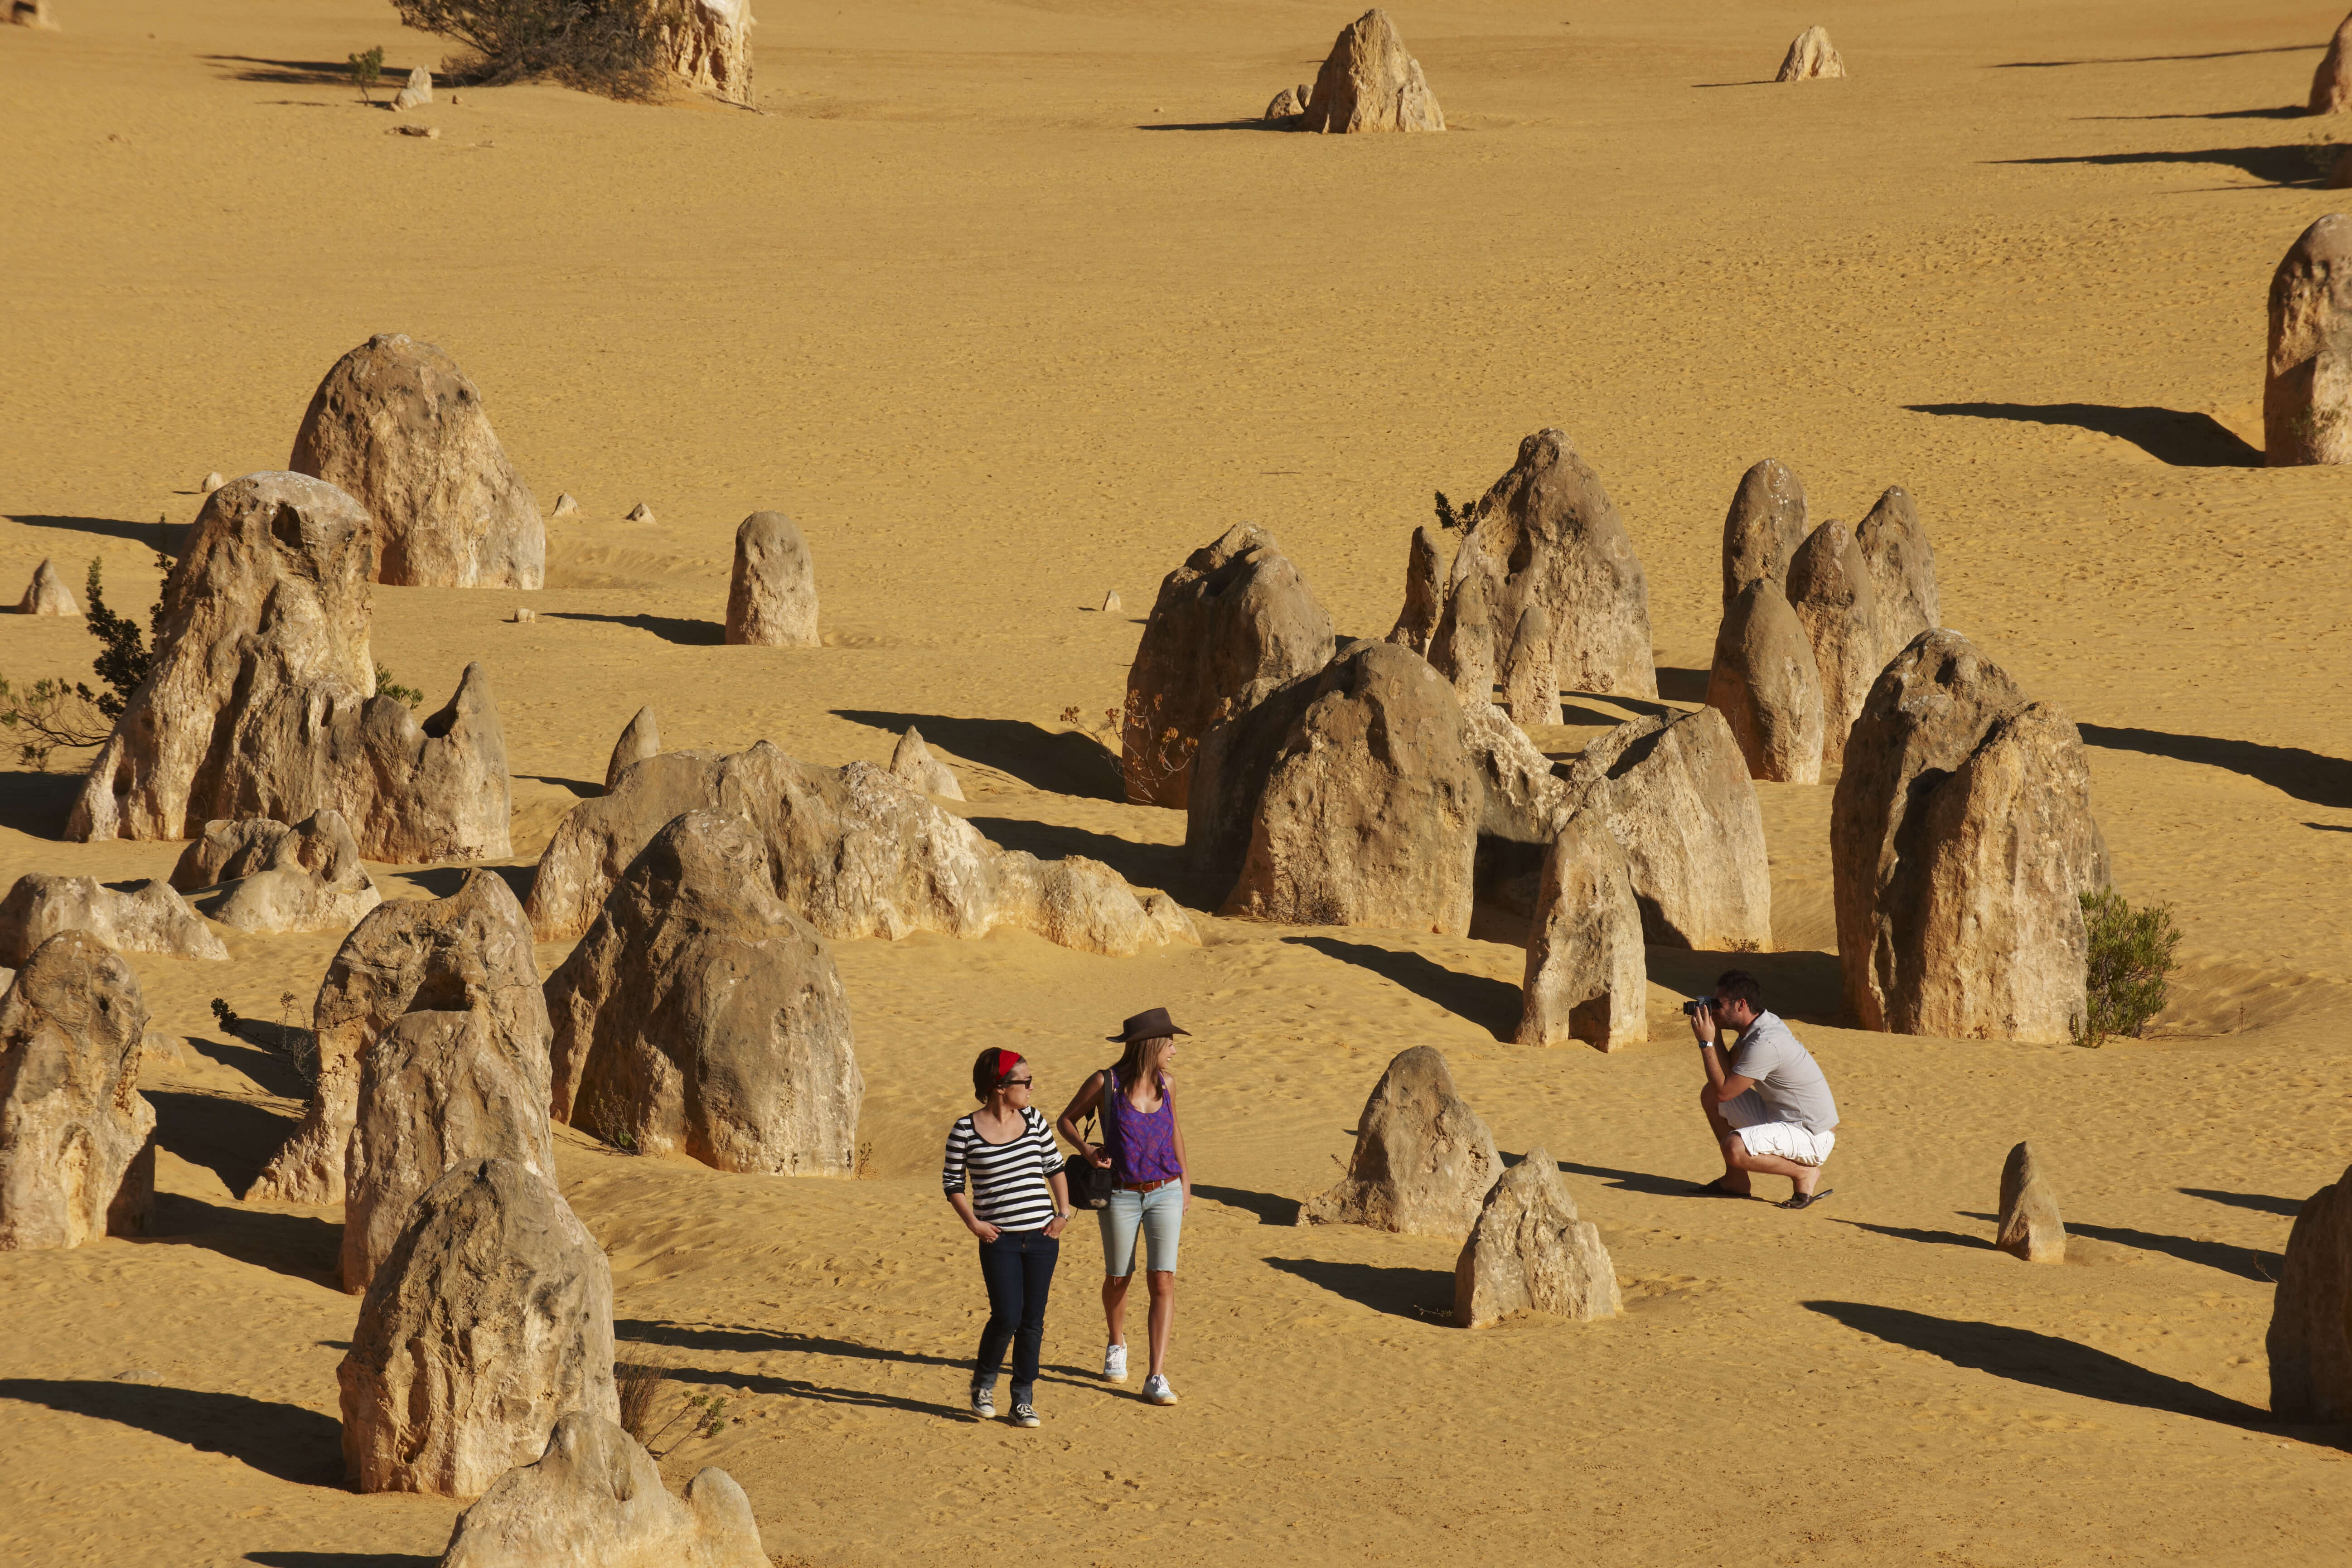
pixel 2156 60
pixel 669 628
pixel 1492 1004
pixel 2289 164
pixel 232 1137
pixel 1144 865
pixel 2309 778
pixel 1268 1208
pixel 2262 1203
pixel 2042 1361
pixel 2168 435
pixel 281 1440
pixel 163 536
pixel 298 1245
pixel 1254 123
pixel 443 880
pixel 340 1560
pixel 1425 1295
pixel 1932 1237
pixel 37 804
pixel 1060 762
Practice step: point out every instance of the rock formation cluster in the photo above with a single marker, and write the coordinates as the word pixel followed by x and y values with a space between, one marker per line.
pixel 261 699
pixel 398 426
pixel 281 877
pixel 595 1499
pixel 150 918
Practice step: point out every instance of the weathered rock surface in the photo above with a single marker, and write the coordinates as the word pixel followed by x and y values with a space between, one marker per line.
pixel 566 504
pixel 471 950
pixel 260 702
pixel 1961 839
pixel 150 918
pixel 77 1151
pixel 1370 83
pixel 47 594
pixel 2029 1225
pixel 1288 104
pixel 852 851
pixel 595 1499
pixel 1761 532
pixel 1552 537
pixel 1586 976
pixel 640 512
pixel 1676 793
pixel 912 761
pixel 2310 1337
pixel 641 740
pixel 1464 650
pixel 700 1016
pixel 302 877
pixel 491 1317
pixel 398 426
pixel 33 13
pixel 417 94
pixel 437 1090
pixel 1525 801
pixel 2331 83
pixel 771 596
pixel 2307 393
pixel 1423 1160
pixel 1233 623
pixel 706 44
pixel 1810 57
pixel 1530 1253
pixel 1830 588
pixel 1902 565
pixel 1530 687
pixel 1765 687
pixel 210 483
pixel 1371 810
pixel 1110 604
pixel 1424 599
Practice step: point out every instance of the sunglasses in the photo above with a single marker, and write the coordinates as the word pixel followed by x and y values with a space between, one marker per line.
pixel 1016 1083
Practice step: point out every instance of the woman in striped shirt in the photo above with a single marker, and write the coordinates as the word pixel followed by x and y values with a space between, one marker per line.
pixel 1017 1206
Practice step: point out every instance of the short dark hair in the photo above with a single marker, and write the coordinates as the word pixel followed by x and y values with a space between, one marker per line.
pixel 1738 985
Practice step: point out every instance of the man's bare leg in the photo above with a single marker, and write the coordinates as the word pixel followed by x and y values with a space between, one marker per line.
pixel 1734 1178
pixel 1803 1178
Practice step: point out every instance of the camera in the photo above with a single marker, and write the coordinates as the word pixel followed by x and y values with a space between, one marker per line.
pixel 1699 1004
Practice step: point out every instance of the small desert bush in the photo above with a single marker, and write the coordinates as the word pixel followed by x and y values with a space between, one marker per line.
pixel 599 46
pixel 639 1383
pixel 2130 956
pixel 385 686
pixel 367 68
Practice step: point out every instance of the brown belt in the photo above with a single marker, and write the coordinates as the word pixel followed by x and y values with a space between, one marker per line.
pixel 1146 1186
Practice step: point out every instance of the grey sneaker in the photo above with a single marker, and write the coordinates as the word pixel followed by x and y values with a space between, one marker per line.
pixel 1155 1390
pixel 1024 1415
pixel 984 1404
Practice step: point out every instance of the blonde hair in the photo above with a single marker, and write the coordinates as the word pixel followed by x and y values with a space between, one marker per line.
pixel 1141 1056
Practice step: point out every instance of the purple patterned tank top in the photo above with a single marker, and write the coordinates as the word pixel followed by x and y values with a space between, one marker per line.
pixel 1143 1144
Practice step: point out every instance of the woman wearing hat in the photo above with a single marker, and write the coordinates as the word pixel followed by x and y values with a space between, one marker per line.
pixel 1144 1146
pixel 1018 1205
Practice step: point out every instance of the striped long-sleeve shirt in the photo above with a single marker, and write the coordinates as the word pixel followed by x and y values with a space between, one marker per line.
pixel 1008 1180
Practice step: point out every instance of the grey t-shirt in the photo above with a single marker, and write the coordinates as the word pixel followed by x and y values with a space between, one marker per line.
pixel 1788 1080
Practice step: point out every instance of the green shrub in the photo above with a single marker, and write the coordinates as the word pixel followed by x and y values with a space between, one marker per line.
pixel 602 46
pixel 385 686
pixel 2130 955
pixel 52 714
pixel 366 69
pixel 1450 516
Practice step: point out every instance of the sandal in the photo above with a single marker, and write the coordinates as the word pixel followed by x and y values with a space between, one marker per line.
pixel 1803 1200
pixel 1715 1189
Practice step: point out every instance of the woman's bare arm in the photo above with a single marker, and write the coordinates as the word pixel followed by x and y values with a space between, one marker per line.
pixel 1090 1095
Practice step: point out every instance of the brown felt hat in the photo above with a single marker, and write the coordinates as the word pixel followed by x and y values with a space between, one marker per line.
pixel 1150 1026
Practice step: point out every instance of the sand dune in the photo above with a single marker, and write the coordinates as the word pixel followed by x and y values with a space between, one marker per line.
pixel 1011 304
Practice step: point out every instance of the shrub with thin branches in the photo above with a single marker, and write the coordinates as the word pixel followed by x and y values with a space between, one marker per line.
pixel 599 46
pixel 2123 983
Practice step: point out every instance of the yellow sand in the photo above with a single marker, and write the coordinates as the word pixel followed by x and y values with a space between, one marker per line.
pixel 1006 307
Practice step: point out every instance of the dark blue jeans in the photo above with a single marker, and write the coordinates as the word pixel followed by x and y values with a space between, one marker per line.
pixel 1019 1269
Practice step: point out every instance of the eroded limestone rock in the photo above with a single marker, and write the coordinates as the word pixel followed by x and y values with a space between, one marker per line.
pixel 706 44
pixel 1529 1252
pixel 1586 978
pixel 1761 532
pixel 437 1090
pixel 1371 83
pixel 1423 1160
pixel 1530 687
pixel 1810 57
pixel 912 761
pixel 1960 840
pixel 150 918
pixel 701 1016
pixel 281 877
pixel 1902 565
pixel 641 740
pixel 77 1151
pixel 1830 588
pixel 471 950
pixel 47 594
pixel 2310 1337
pixel 400 428
pixel 2307 394
pixel 595 1499
pixel 416 94
pixel 1765 684
pixel 1464 648
pixel 1675 791
pixel 772 596
pixel 2331 83
pixel 2029 1225
pixel 1424 601
pixel 491 1317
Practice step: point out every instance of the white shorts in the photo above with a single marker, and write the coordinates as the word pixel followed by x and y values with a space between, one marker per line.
pixel 1782 1140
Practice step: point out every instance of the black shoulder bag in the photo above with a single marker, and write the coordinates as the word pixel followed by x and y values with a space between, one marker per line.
pixel 1090 1184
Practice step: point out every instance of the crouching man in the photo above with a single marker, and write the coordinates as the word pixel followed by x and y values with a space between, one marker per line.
pixel 1768 1105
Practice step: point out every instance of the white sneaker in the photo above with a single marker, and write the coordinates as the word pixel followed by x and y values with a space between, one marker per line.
pixel 1024 1415
pixel 1115 1364
pixel 1156 1389
pixel 984 1404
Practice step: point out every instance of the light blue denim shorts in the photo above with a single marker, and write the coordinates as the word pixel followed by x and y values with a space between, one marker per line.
pixel 1157 1214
